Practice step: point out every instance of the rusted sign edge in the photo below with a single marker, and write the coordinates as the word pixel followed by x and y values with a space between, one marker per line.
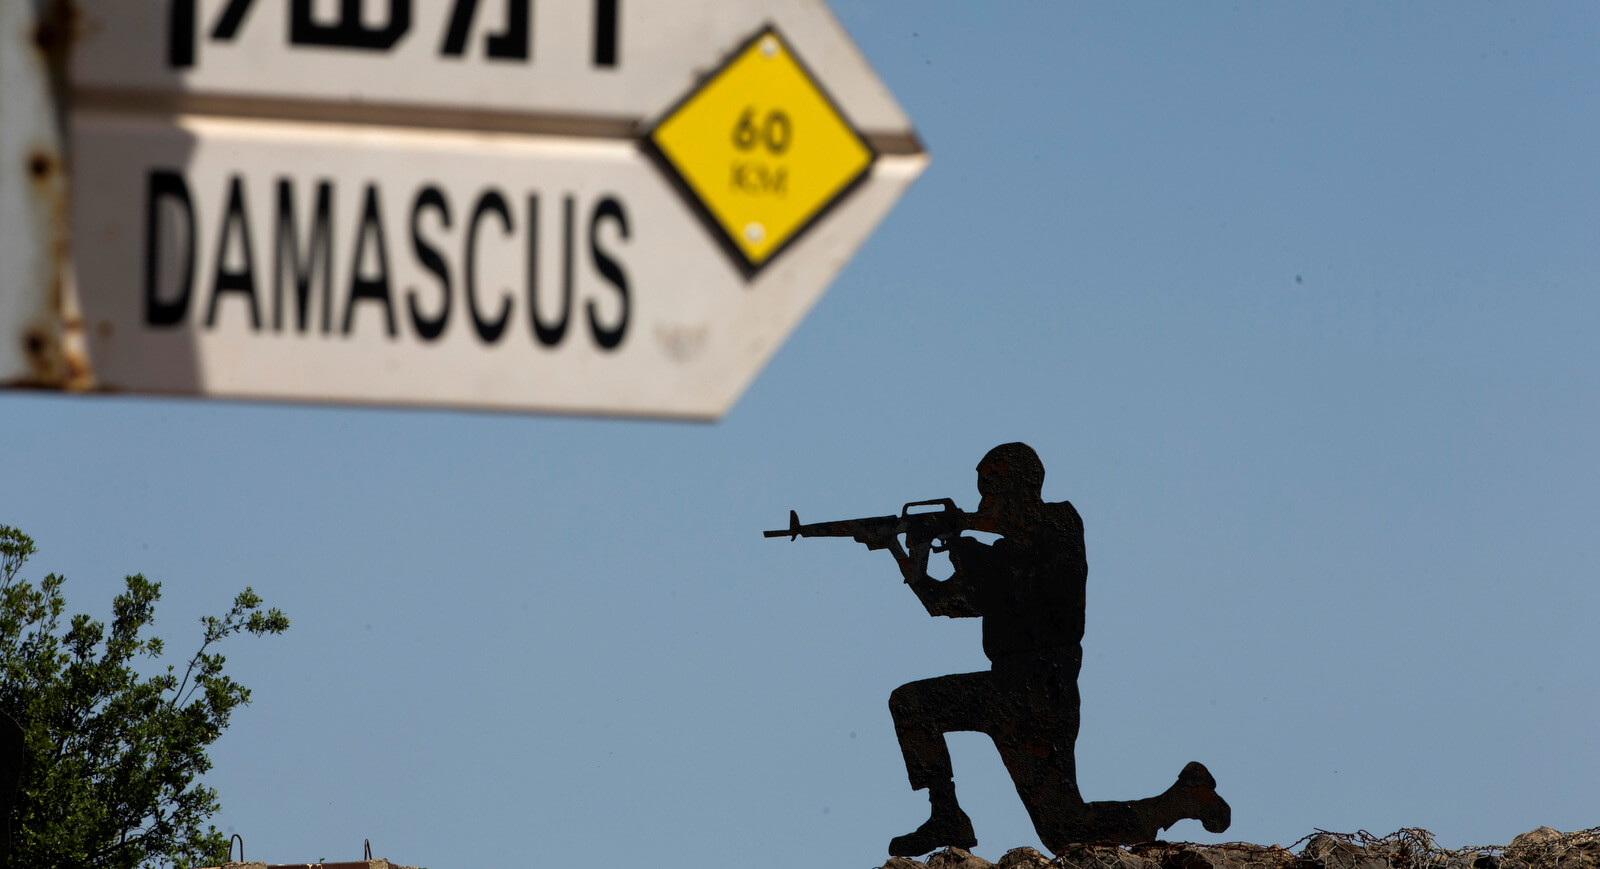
pixel 41 330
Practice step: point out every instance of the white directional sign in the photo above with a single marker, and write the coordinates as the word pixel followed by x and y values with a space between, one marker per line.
pixel 590 206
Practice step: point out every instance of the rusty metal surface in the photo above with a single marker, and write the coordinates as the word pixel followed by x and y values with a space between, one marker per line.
pixel 1029 589
pixel 41 331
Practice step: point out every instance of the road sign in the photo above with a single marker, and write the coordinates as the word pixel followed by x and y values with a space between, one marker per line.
pixel 592 206
pixel 733 144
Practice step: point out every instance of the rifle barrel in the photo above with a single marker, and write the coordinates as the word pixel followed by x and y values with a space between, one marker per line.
pixel 873 529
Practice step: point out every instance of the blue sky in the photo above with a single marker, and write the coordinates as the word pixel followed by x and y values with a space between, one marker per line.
pixel 1297 303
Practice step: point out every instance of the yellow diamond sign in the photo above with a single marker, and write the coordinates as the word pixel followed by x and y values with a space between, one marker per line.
pixel 761 149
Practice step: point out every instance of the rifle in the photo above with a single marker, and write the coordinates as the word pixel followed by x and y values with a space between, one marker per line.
pixel 881 532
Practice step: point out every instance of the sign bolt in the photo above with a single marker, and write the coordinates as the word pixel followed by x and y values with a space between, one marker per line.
pixel 769 46
pixel 754 232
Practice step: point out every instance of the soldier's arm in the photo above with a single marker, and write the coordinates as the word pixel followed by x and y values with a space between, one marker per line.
pixel 940 598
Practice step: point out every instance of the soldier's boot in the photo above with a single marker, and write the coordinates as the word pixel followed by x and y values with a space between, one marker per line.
pixel 1196 793
pixel 947 826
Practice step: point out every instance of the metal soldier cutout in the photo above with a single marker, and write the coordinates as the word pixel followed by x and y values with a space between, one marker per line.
pixel 1028 587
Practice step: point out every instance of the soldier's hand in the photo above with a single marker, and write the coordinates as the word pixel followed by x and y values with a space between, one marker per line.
pixel 914 567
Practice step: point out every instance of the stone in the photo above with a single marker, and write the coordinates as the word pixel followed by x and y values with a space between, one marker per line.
pixel 1329 852
pixel 1187 858
pixel 1023 858
pixel 1584 855
pixel 1544 848
pixel 1079 857
pixel 1461 861
pixel 1235 856
pixel 957 858
pixel 1102 857
pixel 1536 836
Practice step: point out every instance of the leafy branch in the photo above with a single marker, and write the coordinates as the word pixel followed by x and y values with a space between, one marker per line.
pixel 112 755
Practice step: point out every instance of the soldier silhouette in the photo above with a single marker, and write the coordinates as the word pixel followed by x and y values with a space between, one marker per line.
pixel 1028 587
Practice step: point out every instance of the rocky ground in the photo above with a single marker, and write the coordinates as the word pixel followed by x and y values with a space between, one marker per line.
pixel 1543 848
